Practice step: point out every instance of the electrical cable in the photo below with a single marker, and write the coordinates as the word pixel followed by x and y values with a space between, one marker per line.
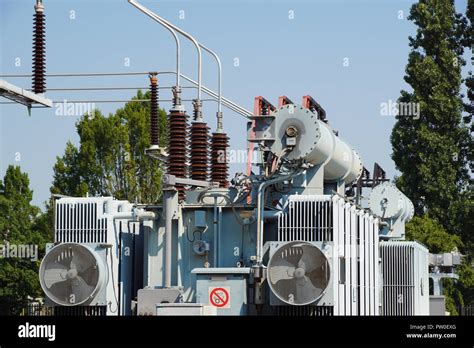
pixel 105 88
pixel 107 101
pixel 113 284
pixel 78 74
pixel 234 107
pixel 196 230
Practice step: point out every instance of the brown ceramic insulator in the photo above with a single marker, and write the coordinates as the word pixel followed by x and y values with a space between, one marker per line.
pixel 154 124
pixel 219 167
pixel 199 156
pixel 177 147
pixel 39 57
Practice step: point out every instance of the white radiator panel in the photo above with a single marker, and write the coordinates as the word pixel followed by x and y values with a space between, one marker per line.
pixel 306 219
pixel 362 281
pixel 405 288
pixel 80 221
pixel 355 236
pixel 94 220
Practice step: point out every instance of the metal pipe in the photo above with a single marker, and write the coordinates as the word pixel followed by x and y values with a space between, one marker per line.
pixel 219 231
pixel 219 127
pixel 226 102
pixel 260 208
pixel 185 34
pixel 170 29
pixel 271 214
pixel 146 215
pixel 135 214
pixel 168 203
pixel 172 180
pixel 216 246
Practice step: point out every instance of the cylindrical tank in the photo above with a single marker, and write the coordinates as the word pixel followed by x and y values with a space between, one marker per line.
pixel 388 202
pixel 310 139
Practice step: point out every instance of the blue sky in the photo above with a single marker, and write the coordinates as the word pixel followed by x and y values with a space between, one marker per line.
pixel 277 54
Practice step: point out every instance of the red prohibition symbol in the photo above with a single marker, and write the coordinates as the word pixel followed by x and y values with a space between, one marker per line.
pixel 219 297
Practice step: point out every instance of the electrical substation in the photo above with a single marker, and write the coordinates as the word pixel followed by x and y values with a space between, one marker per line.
pixel 287 237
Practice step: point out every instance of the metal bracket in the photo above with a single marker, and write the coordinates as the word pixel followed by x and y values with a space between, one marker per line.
pixel 171 180
pixel 313 105
pixel 157 152
pixel 22 96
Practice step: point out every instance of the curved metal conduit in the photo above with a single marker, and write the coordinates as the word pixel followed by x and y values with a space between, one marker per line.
pixel 164 22
pixel 175 36
pixel 226 102
pixel 172 28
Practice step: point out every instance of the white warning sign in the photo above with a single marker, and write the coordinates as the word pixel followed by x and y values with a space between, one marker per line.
pixel 219 297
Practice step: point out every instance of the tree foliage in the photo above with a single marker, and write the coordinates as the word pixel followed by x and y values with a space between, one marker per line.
pixel 437 240
pixel 110 159
pixel 432 152
pixel 460 292
pixel 432 234
pixel 469 43
pixel 20 224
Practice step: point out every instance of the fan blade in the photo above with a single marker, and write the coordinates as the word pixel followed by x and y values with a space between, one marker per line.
pixel 60 290
pixel 306 291
pixel 281 269
pixel 310 260
pixel 282 262
pixel 80 289
pixel 79 261
pixel 54 274
pixel 281 273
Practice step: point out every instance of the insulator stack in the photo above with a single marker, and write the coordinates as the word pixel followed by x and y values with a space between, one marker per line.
pixel 177 147
pixel 199 151
pixel 39 47
pixel 219 167
pixel 154 123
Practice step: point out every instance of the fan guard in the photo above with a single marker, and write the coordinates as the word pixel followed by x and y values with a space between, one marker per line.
pixel 72 274
pixel 298 273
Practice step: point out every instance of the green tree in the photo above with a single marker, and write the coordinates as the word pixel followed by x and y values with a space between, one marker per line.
pixel 20 223
pixel 111 156
pixel 432 234
pixel 432 152
pixel 459 293
pixel 469 81
pixel 466 220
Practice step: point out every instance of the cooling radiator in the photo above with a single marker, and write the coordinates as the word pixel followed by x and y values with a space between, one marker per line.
pixel 98 220
pixel 354 234
pixel 405 289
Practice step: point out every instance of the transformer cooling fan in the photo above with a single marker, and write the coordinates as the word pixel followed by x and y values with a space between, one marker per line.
pixel 298 273
pixel 72 274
